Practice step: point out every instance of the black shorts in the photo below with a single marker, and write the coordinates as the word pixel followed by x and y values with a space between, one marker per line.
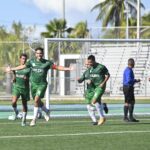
pixel 128 92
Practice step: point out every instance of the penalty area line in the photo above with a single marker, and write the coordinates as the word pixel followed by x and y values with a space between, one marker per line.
pixel 72 134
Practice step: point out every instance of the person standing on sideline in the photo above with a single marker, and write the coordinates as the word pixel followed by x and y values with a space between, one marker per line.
pixel 99 76
pixel 128 91
pixel 89 93
pixel 21 88
pixel 39 69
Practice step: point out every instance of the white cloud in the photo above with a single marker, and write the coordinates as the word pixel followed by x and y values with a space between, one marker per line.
pixel 46 6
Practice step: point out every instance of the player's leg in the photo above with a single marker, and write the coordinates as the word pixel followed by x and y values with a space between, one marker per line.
pixel 14 106
pixel 34 88
pixel 105 108
pixel 15 96
pixel 25 98
pixel 126 104
pixel 24 112
pixel 47 111
pixel 90 108
pixel 131 106
pixel 97 102
pixel 38 92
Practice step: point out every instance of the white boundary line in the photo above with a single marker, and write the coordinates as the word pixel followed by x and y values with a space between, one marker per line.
pixel 72 134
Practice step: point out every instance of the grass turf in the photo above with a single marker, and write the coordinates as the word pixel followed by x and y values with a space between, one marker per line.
pixel 75 134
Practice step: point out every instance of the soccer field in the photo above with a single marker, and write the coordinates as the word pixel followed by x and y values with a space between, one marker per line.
pixel 75 134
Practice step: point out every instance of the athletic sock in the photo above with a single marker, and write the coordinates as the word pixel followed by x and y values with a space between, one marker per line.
pixel 99 109
pixel 16 110
pixel 24 114
pixel 44 109
pixel 35 113
pixel 91 113
pixel 131 108
pixel 126 108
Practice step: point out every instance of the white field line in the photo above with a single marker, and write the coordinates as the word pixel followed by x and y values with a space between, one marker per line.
pixel 71 134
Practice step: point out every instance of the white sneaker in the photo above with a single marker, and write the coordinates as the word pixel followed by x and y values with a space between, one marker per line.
pixel 33 122
pixel 47 116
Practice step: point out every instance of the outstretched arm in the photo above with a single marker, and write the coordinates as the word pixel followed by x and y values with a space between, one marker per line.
pixel 62 68
pixel 8 69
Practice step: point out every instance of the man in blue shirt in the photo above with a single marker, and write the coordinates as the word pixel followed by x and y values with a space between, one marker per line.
pixel 128 90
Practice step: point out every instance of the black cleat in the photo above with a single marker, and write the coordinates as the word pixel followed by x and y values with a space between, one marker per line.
pixel 126 119
pixel 105 108
pixel 133 120
pixel 95 123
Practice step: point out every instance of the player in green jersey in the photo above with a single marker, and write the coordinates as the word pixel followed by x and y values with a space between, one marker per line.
pixel 21 88
pixel 89 93
pixel 39 68
pixel 99 75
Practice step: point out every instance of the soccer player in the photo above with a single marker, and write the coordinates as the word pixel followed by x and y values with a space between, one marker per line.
pixel 21 88
pixel 128 91
pixel 89 93
pixel 99 75
pixel 39 68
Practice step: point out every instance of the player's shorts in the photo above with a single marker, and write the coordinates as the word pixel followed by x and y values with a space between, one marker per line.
pixel 38 89
pixel 128 92
pixel 98 93
pixel 23 92
pixel 89 95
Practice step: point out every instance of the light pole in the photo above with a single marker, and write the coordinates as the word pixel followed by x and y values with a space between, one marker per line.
pixel 127 19
pixel 138 19
pixel 64 10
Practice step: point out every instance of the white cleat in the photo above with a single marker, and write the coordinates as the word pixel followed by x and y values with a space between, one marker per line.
pixel 32 123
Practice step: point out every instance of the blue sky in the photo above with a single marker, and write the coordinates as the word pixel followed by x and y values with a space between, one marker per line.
pixel 39 12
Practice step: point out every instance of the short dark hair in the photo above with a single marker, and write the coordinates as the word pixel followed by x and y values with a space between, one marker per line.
pixel 131 61
pixel 91 57
pixel 39 48
pixel 24 55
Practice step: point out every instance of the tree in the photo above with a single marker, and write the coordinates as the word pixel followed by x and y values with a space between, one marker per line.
pixel 56 28
pixel 112 11
pixel 80 30
pixel 17 29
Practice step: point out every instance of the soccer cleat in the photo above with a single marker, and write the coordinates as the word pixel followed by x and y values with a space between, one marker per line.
pixel 47 116
pixel 101 121
pixel 133 120
pixel 23 123
pixel 126 119
pixel 105 108
pixel 33 122
pixel 39 115
pixel 94 123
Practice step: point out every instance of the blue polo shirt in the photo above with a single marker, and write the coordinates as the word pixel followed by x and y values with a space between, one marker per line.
pixel 128 77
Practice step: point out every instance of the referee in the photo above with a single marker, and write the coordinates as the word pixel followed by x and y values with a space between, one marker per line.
pixel 128 91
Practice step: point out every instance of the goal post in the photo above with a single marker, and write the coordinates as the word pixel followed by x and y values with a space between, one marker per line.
pixel 121 49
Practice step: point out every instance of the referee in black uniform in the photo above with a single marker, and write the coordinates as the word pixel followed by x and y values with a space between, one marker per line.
pixel 128 91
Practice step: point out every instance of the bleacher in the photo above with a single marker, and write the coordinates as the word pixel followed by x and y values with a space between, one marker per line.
pixel 115 57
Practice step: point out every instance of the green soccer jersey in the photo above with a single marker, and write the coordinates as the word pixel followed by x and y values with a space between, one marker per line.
pixel 86 76
pixel 39 70
pixel 97 73
pixel 22 78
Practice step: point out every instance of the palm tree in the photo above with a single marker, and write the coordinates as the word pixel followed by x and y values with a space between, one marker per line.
pixel 56 28
pixel 17 29
pixel 80 30
pixel 112 11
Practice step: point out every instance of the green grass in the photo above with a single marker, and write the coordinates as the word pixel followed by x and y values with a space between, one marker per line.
pixel 75 134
